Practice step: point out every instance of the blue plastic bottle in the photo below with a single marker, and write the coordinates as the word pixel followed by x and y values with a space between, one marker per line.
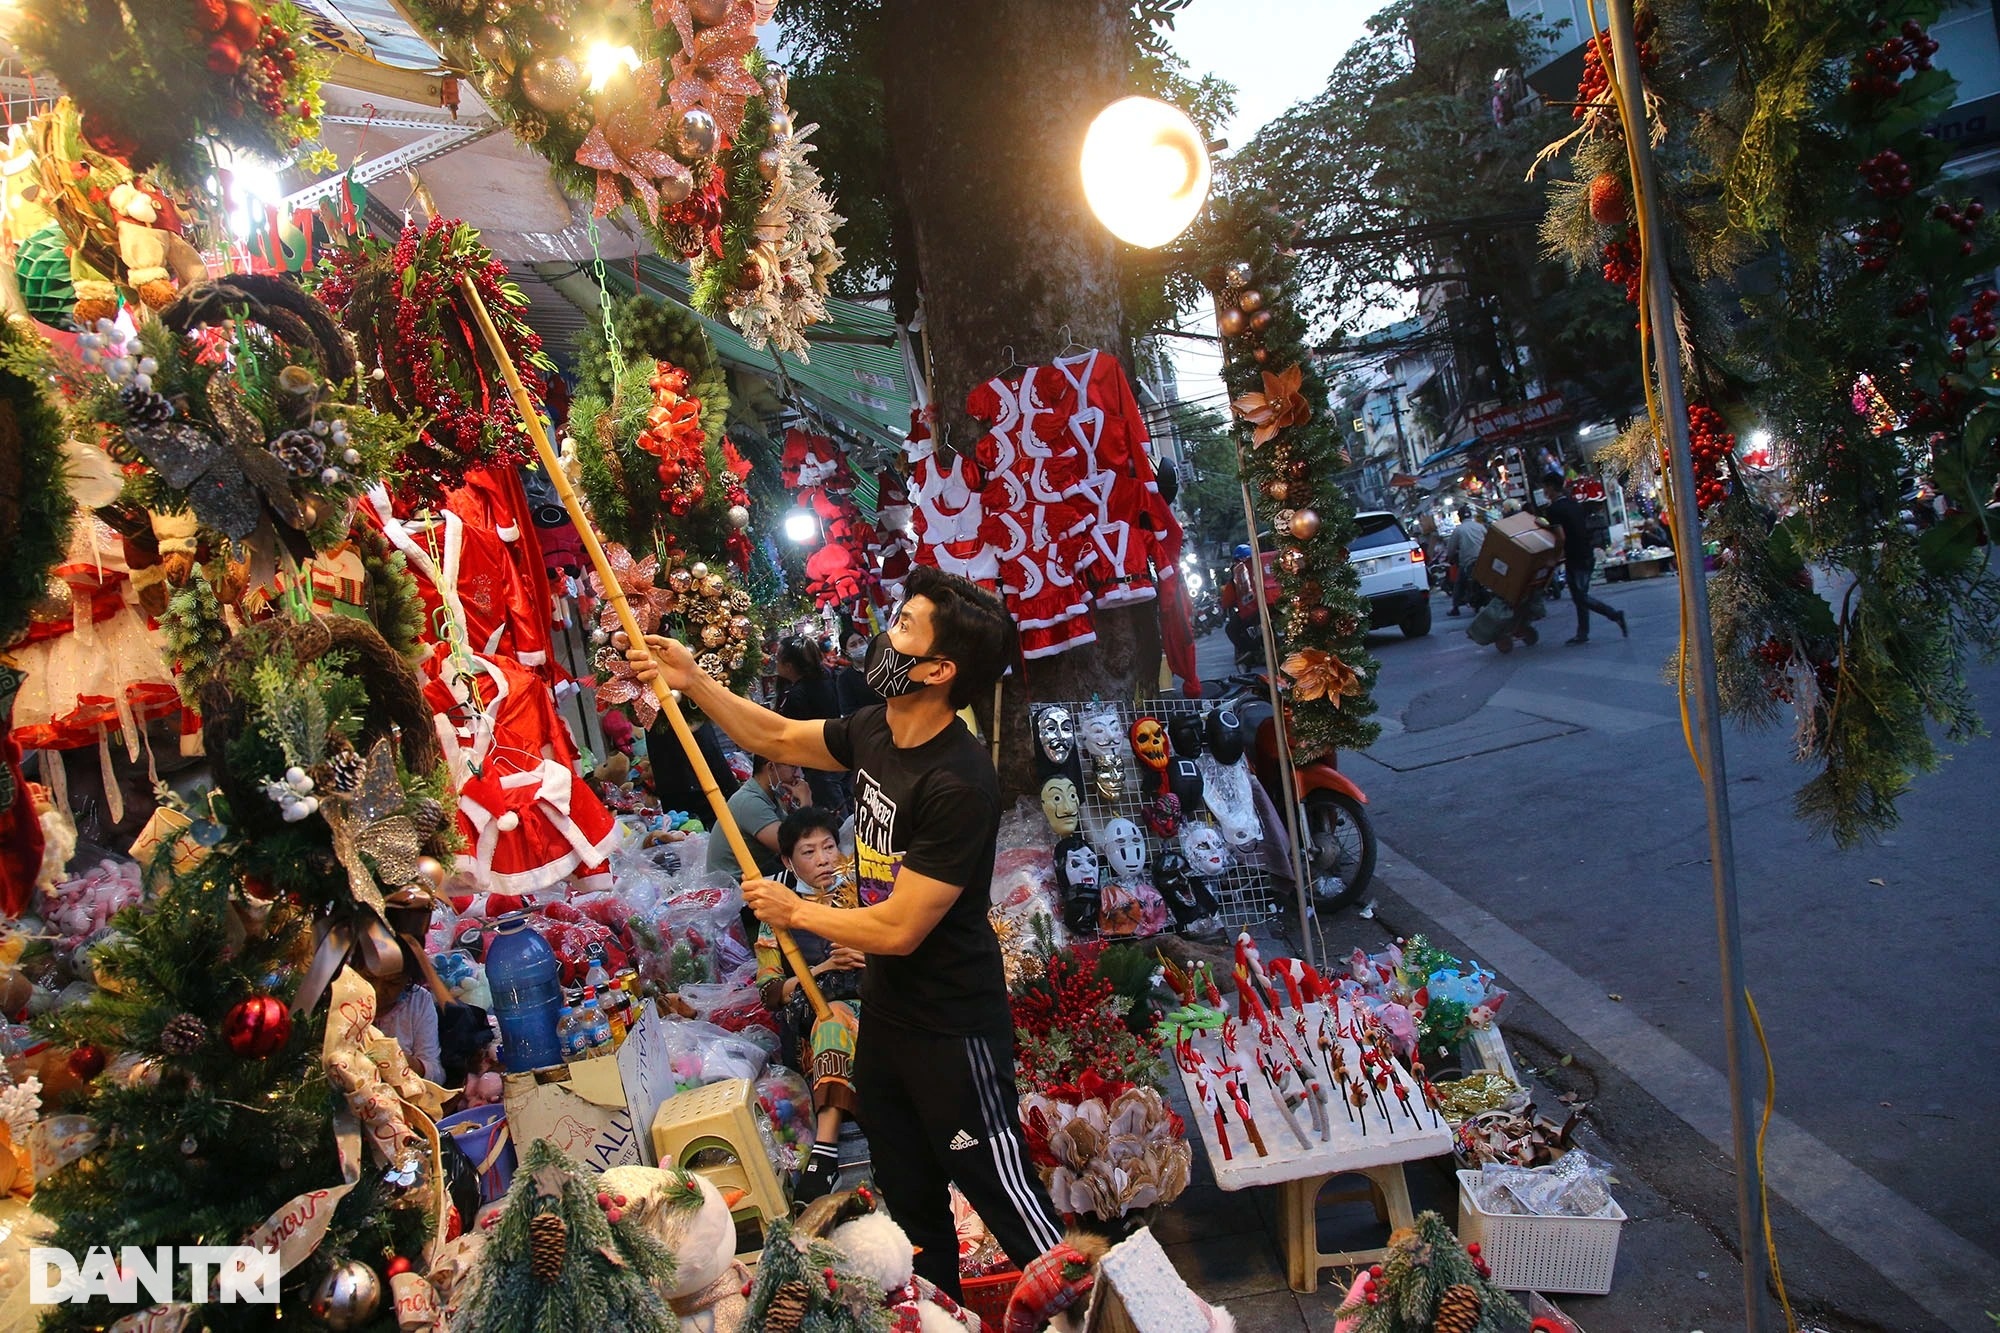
pixel 523 974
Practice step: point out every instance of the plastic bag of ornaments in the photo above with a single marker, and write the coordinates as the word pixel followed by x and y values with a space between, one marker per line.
pixel 1025 906
pixel 701 1053
pixel 1574 1185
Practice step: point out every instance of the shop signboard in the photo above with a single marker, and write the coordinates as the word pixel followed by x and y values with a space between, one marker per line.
pixel 1508 422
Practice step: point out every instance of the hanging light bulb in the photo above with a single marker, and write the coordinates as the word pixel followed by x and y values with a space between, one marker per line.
pixel 1145 170
pixel 605 62
pixel 801 526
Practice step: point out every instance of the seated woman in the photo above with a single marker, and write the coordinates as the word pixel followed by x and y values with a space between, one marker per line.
pixel 809 843
pixel 406 1007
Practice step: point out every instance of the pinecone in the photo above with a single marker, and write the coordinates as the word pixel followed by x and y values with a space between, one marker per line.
pixel 1458 1309
pixel 787 1311
pixel 144 410
pixel 548 1237
pixel 300 451
pixel 184 1034
pixel 531 126
pixel 343 770
pixel 428 815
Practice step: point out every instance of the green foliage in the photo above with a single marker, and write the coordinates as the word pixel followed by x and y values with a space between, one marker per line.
pixel 1213 501
pixel 788 1272
pixel 608 1274
pixel 1305 458
pixel 1839 341
pixel 196 631
pixel 35 523
pixel 1421 1265
pixel 199 1148
pixel 395 606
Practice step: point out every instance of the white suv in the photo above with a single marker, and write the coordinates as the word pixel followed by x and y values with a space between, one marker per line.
pixel 1394 578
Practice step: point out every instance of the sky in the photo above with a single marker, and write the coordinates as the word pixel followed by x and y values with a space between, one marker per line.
pixel 1277 53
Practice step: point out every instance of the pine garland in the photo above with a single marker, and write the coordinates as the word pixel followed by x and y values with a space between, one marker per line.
pixel 1427 1277
pixel 36 510
pixel 804 1285
pixel 1320 611
pixel 555 1262
pixel 1862 359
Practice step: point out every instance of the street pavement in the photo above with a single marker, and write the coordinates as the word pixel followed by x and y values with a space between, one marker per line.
pixel 1539 811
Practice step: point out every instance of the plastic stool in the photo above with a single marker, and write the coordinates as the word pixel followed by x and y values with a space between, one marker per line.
pixel 722 1116
pixel 1298 1221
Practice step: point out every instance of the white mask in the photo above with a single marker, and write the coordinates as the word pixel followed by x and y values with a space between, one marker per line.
pixel 1206 852
pixel 1125 848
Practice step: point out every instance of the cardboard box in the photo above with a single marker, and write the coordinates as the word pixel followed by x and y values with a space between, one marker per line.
pixel 597 1111
pixel 1517 549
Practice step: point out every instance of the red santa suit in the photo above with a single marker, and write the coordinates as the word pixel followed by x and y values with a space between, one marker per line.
pixel 528 820
pixel 494 498
pixel 474 579
pixel 949 516
pixel 1132 522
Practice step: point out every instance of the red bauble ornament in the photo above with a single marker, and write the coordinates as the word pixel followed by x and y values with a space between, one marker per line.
pixel 243 22
pixel 224 57
pixel 1607 199
pixel 87 1062
pixel 257 1027
pixel 397 1266
pixel 209 15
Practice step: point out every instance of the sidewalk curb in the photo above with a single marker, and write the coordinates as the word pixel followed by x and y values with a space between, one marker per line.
pixel 1934 1267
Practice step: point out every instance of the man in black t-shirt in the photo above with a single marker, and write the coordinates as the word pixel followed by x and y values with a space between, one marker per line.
pixel 934 1065
pixel 1564 514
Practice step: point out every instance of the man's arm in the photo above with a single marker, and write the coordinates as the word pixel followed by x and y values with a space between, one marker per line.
pixel 896 925
pixel 756 728
pixel 768 835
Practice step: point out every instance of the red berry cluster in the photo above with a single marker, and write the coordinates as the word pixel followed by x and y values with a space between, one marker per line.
pixel 1479 1262
pixel 1914 304
pixel 1710 441
pixel 1774 656
pixel 1621 263
pixel 1978 326
pixel 1964 221
pixel 1596 82
pixel 1074 1002
pixel 1877 241
pixel 1887 175
pixel 1371 1290
pixel 1880 70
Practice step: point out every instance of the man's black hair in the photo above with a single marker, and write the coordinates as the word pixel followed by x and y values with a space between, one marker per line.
pixel 1464 514
pixel 758 763
pixel 800 823
pixel 969 625
pixel 1552 478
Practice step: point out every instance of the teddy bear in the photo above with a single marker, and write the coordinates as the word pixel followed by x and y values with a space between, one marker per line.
pixel 159 261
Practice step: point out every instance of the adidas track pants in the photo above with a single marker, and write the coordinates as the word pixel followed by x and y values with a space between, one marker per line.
pixel 943 1111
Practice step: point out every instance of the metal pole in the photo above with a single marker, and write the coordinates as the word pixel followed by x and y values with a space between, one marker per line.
pixel 1290 805
pixel 1700 647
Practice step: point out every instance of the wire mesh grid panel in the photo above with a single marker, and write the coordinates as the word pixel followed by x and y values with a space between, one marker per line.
pixel 1244 890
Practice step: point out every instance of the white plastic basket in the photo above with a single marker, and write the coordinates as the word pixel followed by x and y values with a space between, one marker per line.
pixel 1526 1253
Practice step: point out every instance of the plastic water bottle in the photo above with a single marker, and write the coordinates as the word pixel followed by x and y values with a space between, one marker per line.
pixel 570 1030
pixel 597 977
pixel 527 995
pixel 595 1024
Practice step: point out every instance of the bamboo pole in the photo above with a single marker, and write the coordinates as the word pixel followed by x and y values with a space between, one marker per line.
pixel 725 823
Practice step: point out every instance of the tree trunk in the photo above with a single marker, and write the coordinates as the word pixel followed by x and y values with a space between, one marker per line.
pixel 987 106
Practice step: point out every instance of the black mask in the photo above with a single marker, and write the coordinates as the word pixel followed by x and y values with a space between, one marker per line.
pixel 888 668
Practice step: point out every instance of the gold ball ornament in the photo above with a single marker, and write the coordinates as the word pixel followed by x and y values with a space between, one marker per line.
pixel 1237 275
pixel 781 125
pixel 713 636
pixel 768 163
pixel 348 1297
pixel 713 586
pixel 708 13
pixel 697 134
pixel 1291 560
pixel 431 871
pixel 491 43
pixel 1305 525
pixel 499 11
pixel 740 627
pixel 1232 322
pixel 1277 490
pixel 1250 300
pixel 1261 320
pixel 699 569
pixel 681 581
pixel 551 83
pixel 673 190
pixel 1260 354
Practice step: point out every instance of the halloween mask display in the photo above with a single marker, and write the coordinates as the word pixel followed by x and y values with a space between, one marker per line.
pixel 1226 793
pixel 1124 848
pixel 1055 735
pixel 1185 734
pixel 1193 907
pixel 1184 781
pixel 1077 880
pixel 1225 734
pixel 1163 815
pixel 1149 745
pixel 1206 852
pixel 1060 804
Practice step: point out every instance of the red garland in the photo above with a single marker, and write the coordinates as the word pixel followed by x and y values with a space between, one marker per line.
pixel 673 435
pixel 1073 1001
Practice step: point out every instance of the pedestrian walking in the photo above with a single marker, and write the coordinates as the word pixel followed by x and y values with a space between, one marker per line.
pixel 1564 515
pixel 1463 550
pixel 934 1063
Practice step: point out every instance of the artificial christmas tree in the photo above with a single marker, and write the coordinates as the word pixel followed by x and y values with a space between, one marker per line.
pixel 1429 1283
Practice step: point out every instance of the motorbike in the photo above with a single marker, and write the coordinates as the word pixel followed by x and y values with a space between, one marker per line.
pixel 1337 836
pixel 1207 613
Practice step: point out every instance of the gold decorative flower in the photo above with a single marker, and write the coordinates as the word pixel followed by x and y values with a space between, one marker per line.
pixel 1317 674
pixel 1280 406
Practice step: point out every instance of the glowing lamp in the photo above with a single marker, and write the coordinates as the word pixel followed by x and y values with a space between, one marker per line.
pixel 1145 171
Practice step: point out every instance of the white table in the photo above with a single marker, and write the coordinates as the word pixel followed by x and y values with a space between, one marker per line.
pixel 1299 1171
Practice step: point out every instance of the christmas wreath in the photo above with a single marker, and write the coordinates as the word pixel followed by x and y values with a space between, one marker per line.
pixel 35 505
pixel 1869 359
pixel 425 359
pixel 655 464
pixel 1293 455
pixel 698 605
pixel 158 80
pixel 241 403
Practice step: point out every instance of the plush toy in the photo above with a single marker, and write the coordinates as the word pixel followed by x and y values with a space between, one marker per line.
pixel 483 1089
pixel 877 1249
pixel 685 1212
pixel 81 906
pixel 158 261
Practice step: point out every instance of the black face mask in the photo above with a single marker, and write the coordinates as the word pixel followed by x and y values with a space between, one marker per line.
pixel 888 668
